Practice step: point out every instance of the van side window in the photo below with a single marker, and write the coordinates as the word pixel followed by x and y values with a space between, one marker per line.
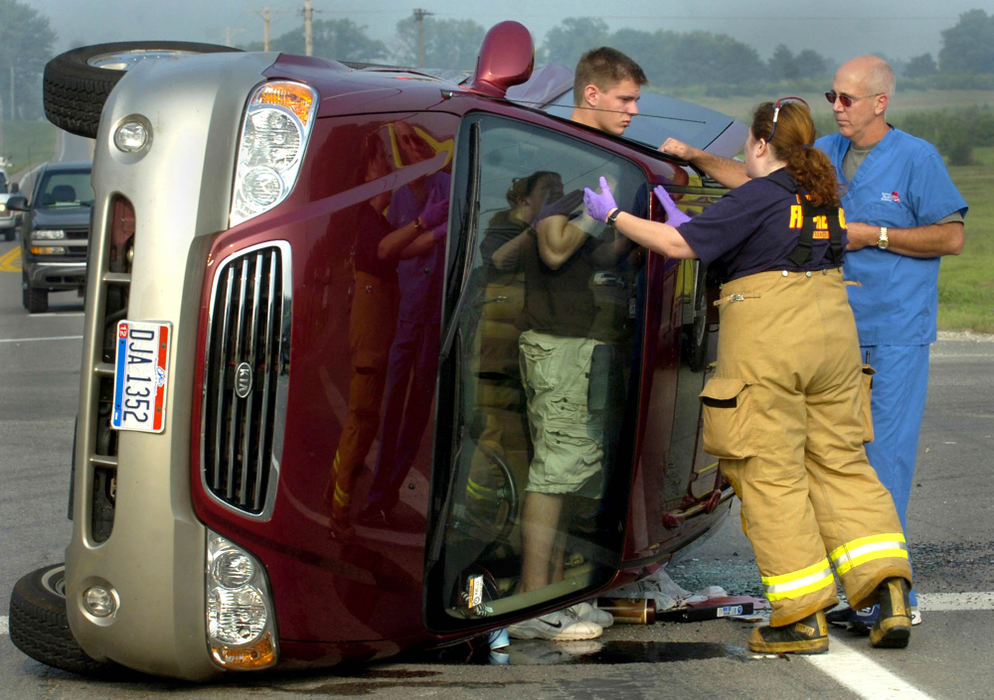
pixel 542 357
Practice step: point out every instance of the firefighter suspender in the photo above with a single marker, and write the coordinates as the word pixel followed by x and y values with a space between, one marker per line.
pixel 816 222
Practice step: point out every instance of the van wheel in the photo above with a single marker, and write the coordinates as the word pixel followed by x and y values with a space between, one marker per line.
pixel 39 627
pixel 77 83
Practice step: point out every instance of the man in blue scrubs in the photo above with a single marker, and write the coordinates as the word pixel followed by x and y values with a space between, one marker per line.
pixel 903 213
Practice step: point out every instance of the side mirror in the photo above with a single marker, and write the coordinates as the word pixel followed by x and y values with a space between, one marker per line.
pixel 507 56
pixel 17 202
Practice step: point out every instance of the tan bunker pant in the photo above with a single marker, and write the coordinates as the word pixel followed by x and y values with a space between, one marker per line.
pixel 784 415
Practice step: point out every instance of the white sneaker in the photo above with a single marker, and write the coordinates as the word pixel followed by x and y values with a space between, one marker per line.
pixel 559 626
pixel 916 616
pixel 591 613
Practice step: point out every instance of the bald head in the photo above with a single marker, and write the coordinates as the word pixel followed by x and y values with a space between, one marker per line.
pixel 872 73
pixel 865 83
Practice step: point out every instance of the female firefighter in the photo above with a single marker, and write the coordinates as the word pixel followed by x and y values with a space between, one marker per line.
pixel 785 410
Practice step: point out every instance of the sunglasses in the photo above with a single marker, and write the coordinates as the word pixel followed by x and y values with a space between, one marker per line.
pixel 845 99
pixel 776 112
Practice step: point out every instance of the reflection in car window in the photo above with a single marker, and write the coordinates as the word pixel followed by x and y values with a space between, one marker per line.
pixel 525 422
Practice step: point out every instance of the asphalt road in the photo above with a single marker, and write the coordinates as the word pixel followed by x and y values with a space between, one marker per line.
pixel 951 515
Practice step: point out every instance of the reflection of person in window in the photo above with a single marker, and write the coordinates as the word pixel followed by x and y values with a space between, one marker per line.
pixel 421 206
pixel 381 241
pixel 372 320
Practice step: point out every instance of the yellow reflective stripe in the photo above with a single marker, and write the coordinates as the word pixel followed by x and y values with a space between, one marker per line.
pixel 800 582
pixel 892 537
pixel 477 490
pixel 881 554
pixel 859 551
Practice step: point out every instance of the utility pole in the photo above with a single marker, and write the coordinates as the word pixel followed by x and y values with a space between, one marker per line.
pixel 266 14
pixel 265 23
pixel 308 31
pixel 419 17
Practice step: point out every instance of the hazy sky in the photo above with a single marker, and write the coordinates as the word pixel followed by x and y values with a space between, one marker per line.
pixel 837 29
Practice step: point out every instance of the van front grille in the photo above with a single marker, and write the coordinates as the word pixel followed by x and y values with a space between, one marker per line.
pixel 246 372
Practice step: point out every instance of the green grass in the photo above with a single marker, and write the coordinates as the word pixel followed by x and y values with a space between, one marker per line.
pixel 966 282
pixel 27 143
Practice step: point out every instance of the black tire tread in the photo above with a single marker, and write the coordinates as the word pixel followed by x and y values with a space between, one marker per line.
pixel 39 627
pixel 75 91
pixel 36 300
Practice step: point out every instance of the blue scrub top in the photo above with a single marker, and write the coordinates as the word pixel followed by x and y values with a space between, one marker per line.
pixel 902 183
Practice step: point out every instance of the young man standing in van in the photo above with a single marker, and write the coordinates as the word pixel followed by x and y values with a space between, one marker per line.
pixel 559 264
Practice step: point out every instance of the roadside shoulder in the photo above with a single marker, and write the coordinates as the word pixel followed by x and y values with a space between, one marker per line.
pixel 966 336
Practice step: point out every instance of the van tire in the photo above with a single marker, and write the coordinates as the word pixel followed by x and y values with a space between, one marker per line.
pixel 76 86
pixel 40 628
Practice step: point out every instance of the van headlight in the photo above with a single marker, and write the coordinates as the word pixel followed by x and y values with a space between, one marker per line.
pixel 278 122
pixel 241 631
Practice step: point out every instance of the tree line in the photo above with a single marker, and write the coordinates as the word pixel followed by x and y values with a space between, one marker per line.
pixel 672 60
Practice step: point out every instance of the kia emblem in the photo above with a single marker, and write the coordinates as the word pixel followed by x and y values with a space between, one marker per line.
pixel 243 380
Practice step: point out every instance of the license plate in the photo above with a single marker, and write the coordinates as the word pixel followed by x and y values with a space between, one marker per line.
pixel 140 376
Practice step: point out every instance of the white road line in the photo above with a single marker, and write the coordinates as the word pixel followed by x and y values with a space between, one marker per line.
pixel 937 602
pixel 3 624
pixel 37 340
pixel 867 678
pixel 860 674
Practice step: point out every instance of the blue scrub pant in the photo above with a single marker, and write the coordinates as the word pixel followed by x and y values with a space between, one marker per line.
pixel 899 388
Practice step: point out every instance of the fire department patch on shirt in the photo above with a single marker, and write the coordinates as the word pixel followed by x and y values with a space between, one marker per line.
pixel 890 197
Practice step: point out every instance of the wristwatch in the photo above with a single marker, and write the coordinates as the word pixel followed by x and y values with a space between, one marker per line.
pixel 882 241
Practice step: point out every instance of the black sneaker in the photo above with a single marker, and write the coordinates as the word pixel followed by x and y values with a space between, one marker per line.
pixel 807 636
pixel 893 629
pixel 856 621
pixel 840 616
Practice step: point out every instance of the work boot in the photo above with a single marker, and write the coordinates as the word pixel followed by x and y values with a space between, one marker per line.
pixel 807 636
pixel 893 629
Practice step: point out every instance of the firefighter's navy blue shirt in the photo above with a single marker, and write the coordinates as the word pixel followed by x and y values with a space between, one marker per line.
pixel 748 230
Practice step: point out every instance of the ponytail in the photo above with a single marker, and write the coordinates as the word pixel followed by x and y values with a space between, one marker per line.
pixel 792 141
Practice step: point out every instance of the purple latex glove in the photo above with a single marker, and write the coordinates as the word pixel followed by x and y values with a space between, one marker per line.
pixel 435 211
pixel 599 205
pixel 562 206
pixel 674 217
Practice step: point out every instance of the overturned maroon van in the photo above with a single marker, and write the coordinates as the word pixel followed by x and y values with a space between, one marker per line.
pixel 302 433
